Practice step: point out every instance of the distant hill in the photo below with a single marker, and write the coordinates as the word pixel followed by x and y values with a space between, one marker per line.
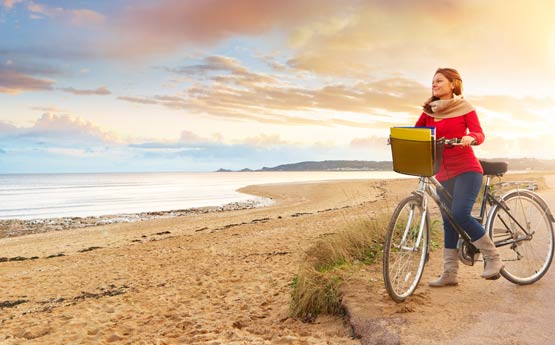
pixel 344 165
pixel 528 163
pixel 325 166
pixel 332 166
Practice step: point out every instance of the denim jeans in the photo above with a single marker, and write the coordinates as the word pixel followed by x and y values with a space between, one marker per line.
pixel 464 189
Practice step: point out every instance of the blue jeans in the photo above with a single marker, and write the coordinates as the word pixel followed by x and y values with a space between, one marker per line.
pixel 464 189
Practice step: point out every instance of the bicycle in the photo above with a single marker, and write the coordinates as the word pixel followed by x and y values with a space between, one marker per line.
pixel 519 222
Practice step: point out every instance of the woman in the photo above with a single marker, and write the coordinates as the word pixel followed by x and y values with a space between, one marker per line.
pixel 460 172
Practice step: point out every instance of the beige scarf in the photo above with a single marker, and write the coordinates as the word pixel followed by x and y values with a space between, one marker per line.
pixel 448 108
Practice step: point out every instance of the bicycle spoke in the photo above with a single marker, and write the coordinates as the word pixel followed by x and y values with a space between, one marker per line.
pixel 528 236
pixel 403 260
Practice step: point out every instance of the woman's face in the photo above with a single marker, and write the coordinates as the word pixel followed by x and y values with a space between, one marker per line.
pixel 442 88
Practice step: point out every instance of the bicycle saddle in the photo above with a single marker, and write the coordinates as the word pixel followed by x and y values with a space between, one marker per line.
pixel 494 168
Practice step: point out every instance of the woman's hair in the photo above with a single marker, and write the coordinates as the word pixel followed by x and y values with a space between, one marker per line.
pixel 454 77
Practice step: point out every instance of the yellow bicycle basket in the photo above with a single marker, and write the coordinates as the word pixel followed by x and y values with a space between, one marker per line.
pixel 415 151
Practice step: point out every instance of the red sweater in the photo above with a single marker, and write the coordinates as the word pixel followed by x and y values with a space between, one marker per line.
pixel 458 159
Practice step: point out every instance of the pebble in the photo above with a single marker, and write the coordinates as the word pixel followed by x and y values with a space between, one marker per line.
pixel 20 227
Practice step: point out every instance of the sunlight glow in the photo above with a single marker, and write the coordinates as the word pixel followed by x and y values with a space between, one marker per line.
pixel 551 50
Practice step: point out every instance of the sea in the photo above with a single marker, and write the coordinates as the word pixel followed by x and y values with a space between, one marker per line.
pixel 37 196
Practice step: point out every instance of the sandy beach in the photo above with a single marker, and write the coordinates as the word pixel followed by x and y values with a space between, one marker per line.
pixel 206 278
pixel 220 277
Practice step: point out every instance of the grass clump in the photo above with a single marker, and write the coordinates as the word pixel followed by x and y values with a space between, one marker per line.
pixel 315 293
pixel 316 289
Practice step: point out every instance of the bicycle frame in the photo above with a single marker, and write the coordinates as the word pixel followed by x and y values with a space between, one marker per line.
pixel 425 187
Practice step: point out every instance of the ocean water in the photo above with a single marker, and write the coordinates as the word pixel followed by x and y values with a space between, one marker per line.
pixel 34 196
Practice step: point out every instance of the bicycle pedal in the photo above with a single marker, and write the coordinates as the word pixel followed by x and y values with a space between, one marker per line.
pixel 495 277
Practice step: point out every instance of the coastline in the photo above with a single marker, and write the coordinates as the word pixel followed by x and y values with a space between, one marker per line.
pixel 84 195
pixel 21 227
pixel 258 199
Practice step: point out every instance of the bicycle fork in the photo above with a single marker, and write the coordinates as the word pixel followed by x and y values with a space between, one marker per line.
pixel 409 226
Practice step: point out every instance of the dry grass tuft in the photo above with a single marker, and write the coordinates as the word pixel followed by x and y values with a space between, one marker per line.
pixel 316 289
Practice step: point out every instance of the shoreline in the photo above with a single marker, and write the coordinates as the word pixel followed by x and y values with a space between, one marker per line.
pixel 21 227
pixel 81 198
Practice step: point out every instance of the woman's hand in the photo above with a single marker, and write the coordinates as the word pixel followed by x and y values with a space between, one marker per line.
pixel 467 140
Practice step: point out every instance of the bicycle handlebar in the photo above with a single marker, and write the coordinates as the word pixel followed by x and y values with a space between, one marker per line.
pixel 446 142
pixel 457 142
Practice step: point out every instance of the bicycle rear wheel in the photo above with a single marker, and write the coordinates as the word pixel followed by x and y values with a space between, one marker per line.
pixel 525 240
pixel 406 248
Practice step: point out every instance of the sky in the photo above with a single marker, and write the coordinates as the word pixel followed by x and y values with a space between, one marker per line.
pixel 198 85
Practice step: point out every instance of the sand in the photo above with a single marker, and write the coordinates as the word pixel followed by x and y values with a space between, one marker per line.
pixel 215 278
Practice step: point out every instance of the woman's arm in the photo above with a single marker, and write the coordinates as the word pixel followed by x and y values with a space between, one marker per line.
pixel 474 129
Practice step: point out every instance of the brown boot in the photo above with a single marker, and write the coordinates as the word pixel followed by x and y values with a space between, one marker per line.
pixel 450 269
pixel 491 256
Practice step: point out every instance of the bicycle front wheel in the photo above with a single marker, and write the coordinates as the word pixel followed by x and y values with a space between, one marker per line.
pixel 406 248
pixel 523 233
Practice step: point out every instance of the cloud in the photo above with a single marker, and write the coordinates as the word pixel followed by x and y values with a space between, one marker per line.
pixel 30 67
pixel 139 100
pixel 514 126
pixel 214 155
pixel 189 137
pixel 13 82
pixel 212 64
pixel 227 89
pixel 166 25
pixel 6 128
pixel 58 143
pixel 373 105
pixel 68 127
pixel 101 91
pixel 49 109
pixel 169 25
pixel 81 17
pixel 77 17
pixel 377 34
pixel 413 36
pixel 368 142
pixel 192 141
pixel 9 4
pixel 57 130
pixel 32 62
pixel 264 140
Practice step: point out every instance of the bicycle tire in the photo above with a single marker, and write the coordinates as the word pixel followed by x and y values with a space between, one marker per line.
pixel 526 261
pixel 403 265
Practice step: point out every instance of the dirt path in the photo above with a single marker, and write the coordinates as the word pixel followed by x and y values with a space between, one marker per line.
pixel 476 311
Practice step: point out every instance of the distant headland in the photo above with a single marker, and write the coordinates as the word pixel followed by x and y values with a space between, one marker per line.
pixel 515 164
